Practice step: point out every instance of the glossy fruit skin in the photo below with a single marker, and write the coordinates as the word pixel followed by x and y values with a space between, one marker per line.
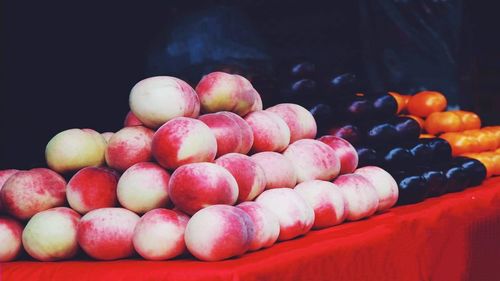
pixel 395 158
pixel 303 87
pixel 419 120
pixel 421 152
pixel 400 100
pixel 413 188
pixel 436 182
pixel 470 120
pixel 366 156
pixel 460 143
pixel 475 170
pixel 381 134
pixel 342 82
pixel 426 102
pixel 303 70
pixel 384 105
pixel 355 108
pixel 457 179
pixel 323 114
pixel 408 130
pixel 441 150
pixel 443 122
pixel 349 132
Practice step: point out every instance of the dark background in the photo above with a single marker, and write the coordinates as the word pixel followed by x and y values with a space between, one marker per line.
pixel 71 64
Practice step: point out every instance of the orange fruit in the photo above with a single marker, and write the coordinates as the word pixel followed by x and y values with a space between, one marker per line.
pixel 419 120
pixel 487 140
pixel 498 150
pixel 459 143
pixel 495 130
pixel 495 158
pixel 424 103
pixel 399 100
pixel 470 120
pixel 443 122
pixel 426 136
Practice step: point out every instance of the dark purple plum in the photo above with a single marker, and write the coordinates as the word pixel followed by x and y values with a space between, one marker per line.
pixel 457 179
pixel 381 134
pixel 436 182
pixel 412 188
pixel 303 70
pixel 421 152
pixel 366 156
pixel 475 170
pixel 348 132
pixel 408 129
pixel 397 157
pixel 384 105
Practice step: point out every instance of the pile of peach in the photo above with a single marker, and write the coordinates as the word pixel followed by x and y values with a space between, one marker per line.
pixel 168 182
pixel 461 129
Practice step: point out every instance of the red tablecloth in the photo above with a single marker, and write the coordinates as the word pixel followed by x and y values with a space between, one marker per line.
pixel 453 237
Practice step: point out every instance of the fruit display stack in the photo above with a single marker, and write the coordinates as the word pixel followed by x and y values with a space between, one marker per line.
pixel 200 172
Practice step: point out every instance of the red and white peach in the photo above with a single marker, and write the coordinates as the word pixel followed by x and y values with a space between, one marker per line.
pixel 312 160
pixel 226 131
pixel 182 141
pixel 266 225
pixel 107 233
pixel 159 234
pixel 159 99
pixel 245 130
pixel 345 152
pixel 219 232
pixel 299 120
pixel 92 188
pixel 295 215
pixel 278 170
pixel 220 91
pixel 195 186
pixel 51 234
pixel 131 120
pixel 384 183
pixel 4 176
pixel 74 149
pixel 129 146
pixel 10 235
pixel 28 192
pixel 270 132
pixel 326 199
pixel 249 175
pixel 360 196
pixel 143 187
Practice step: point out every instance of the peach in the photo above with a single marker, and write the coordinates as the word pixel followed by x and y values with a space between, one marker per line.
pixel 107 233
pixel 131 120
pixel 28 192
pixel 182 141
pixel 299 120
pixel 159 234
pixel 143 187
pixel 295 215
pixel 266 225
pixel 218 232
pixel 326 199
pixel 360 196
pixel 220 91
pixel 4 176
pixel 246 86
pixel 345 152
pixel 92 188
pixel 245 130
pixel 198 185
pixel 249 175
pixel 278 170
pixel 226 131
pixel 312 160
pixel 107 136
pixel 258 105
pixel 10 235
pixel 74 149
pixel 157 100
pixel 384 183
pixel 270 132
pixel 129 146
pixel 51 234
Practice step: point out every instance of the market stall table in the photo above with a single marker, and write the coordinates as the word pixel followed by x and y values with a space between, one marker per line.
pixel 452 237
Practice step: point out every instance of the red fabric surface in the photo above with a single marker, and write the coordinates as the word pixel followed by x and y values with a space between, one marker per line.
pixel 453 237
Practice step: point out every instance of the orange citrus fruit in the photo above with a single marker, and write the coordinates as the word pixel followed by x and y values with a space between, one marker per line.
pixel 424 103
pixel 487 141
pixel 495 158
pixel 426 136
pixel 470 120
pixel 495 130
pixel 442 122
pixel 459 143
